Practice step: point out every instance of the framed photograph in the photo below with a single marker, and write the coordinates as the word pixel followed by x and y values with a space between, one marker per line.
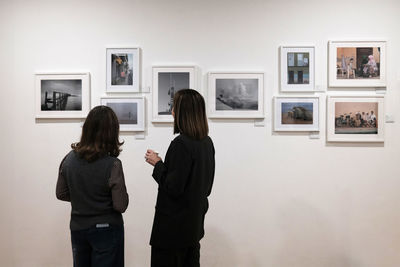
pixel 357 63
pixel 297 68
pixel 168 80
pixel 296 113
pixel 123 70
pixel 236 95
pixel 355 119
pixel 62 95
pixel 129 110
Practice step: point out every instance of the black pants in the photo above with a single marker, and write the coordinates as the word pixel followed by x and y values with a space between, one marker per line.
pixel 101 246
pixel 182 257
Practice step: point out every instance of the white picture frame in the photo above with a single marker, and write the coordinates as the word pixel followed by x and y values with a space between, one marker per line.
pixel 240 95
pixel 62 95
pixel 167 80
pixel 296 114
pixel 123 70
pixel 357 64
pixel 129 110
pixel 297 74
pixel 344 123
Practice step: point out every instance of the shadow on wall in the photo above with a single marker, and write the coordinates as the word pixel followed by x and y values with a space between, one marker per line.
pixel 308 239
pixel 216 250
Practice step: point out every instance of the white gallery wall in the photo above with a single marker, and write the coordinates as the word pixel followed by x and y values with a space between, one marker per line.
pixel 278 199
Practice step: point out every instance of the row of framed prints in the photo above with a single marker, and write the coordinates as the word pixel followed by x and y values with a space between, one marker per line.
pixel 67 96
pixel 229 94
pixel 349 118
pixel 352 64
pixel 357 118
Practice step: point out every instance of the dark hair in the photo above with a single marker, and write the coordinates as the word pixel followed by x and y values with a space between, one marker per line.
pixel 100 135
pixel 190 114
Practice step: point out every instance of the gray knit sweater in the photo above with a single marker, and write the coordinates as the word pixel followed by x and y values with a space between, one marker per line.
pixel 96 190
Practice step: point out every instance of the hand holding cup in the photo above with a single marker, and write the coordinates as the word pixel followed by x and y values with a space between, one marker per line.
pixel 152 157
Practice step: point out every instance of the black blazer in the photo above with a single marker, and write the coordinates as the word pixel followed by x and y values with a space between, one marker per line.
pixel 185 180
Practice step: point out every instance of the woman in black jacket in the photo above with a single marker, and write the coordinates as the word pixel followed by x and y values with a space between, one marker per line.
pixel 184 182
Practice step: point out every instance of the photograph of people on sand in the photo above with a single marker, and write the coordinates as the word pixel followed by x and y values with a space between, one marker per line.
pixel 355 118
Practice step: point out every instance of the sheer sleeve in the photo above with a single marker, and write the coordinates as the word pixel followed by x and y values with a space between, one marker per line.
pixel 62 190
pixel 119 194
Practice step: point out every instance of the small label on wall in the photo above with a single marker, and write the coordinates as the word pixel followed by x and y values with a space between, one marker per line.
pixel 315 135
pixel 259 122
pixel 380 91
pixel 389 118
pixel 139 136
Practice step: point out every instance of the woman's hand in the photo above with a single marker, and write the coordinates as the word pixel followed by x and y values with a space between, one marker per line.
pixel 152 157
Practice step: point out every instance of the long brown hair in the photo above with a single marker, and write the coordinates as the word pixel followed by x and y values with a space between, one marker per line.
pixel 190 114
pixel 100 135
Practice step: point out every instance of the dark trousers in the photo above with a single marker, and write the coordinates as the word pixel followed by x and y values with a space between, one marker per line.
pixel 98 246
pixel 181 257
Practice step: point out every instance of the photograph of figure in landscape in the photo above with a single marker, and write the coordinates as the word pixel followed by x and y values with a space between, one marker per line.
pixel 358 63
pixel 236 94
pixel 297 113
pixel 61 95
pixel 356 118
pixel 168 84
pixel 127 113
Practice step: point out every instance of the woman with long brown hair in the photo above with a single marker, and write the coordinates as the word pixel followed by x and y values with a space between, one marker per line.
pixel 184 180
pixel 91 178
